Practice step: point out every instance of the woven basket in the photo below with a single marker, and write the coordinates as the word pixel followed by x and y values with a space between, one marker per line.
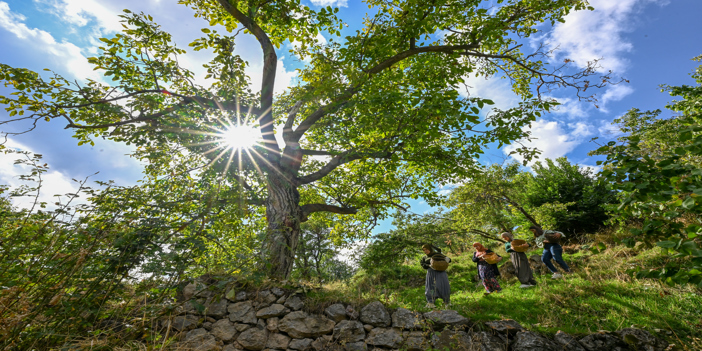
pixel 491 258
pixel 518 242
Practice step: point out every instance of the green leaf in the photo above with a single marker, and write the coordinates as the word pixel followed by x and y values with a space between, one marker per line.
pixel 689 203
pixel 667 244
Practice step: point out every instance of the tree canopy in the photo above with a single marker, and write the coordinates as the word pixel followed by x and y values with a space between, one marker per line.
pixel 377 116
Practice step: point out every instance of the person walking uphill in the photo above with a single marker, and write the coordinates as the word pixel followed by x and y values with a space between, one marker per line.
pixel 436 284
pixel 488 272
pixel 520 262
pixel 551 241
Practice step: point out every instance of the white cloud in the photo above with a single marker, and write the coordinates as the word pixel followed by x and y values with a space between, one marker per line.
pixel 609 130
pixel 81 12
pixel 53 182
pixel 494 88
pixel 588 35
pixel 616 93
pixel 581 130
pixel 570 107
pixel 552 139
pixel 64 53
pixel 334 3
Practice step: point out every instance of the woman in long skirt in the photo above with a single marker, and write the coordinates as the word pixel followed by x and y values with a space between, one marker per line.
pixel 520 262
pixel 488 272
pixel 436 284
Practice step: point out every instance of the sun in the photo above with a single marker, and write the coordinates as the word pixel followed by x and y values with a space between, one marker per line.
pixel 241 136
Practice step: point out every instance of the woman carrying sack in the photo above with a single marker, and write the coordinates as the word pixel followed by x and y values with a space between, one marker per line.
pixel 551 241
pixel 436 284
pixel 516 250
pixel 487 268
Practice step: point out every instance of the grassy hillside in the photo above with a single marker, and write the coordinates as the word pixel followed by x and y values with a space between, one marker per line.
pixel 598 296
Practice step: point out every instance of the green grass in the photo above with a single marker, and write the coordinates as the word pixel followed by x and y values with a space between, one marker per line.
pixel 598 296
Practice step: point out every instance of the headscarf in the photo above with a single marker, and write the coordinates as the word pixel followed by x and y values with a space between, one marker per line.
pixel 429 247
pixel 507 234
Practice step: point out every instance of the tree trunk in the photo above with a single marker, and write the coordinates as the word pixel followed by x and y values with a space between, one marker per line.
pixel 284 216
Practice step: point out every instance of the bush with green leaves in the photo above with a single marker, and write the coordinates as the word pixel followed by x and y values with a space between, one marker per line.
pixel 572 198
pixel 657 170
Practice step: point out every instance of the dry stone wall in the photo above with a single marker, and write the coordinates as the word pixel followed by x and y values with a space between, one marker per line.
pixel 274 319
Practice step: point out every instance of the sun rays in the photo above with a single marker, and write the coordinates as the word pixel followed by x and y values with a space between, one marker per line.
pixel 241 136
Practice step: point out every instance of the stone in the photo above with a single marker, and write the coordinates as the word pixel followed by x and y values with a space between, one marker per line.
pixel 253 339
pixel 207 325
pixel 274 310
pixel 443 318
pixel 406 319
pixel 266 296
pixel 356 346
pixel 415 341
pixel 300 325
pixel 568 342
pixel 530 341
pixel 261 324
pixel 300 344
pixel 189 291
pixel 506 326
pixel 603 341
pixel 183 323
pixel 210 319
pixel 487 341
pixel 385 337
pixel 272 324
pixel 233 295
pixel 242 312
pixel 278 341
pixel 281 300
pixel 200 340
pixel 351 313
pixel 641 340
pixel 336 312
pixel 349 331
pixel 376 315
pixel 323 343
pixel 452 340
pixel 231 347
pixel 278 292
pixel 507 270
pixel 224 330
pixel 294 303
pixel 367 328
pixel 217 308
pixel 240 327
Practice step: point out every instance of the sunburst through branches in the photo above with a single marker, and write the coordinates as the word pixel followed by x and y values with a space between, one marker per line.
pixel 240 136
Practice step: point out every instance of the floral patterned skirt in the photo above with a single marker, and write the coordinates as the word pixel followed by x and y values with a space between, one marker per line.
pixel 489 280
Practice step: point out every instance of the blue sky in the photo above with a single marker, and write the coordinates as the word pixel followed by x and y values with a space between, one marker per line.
pixel 648 42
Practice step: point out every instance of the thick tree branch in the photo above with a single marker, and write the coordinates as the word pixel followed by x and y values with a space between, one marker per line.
pixel 338 160
pixel 143 118
pixel 420 50
pixel 317 153
pixel 270 62
pixel 312 208
pixel 341 100
pixel 203 102
pixel 485 235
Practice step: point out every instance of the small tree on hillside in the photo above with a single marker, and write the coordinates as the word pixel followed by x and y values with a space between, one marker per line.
pixel 576 194
pixel 491 199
